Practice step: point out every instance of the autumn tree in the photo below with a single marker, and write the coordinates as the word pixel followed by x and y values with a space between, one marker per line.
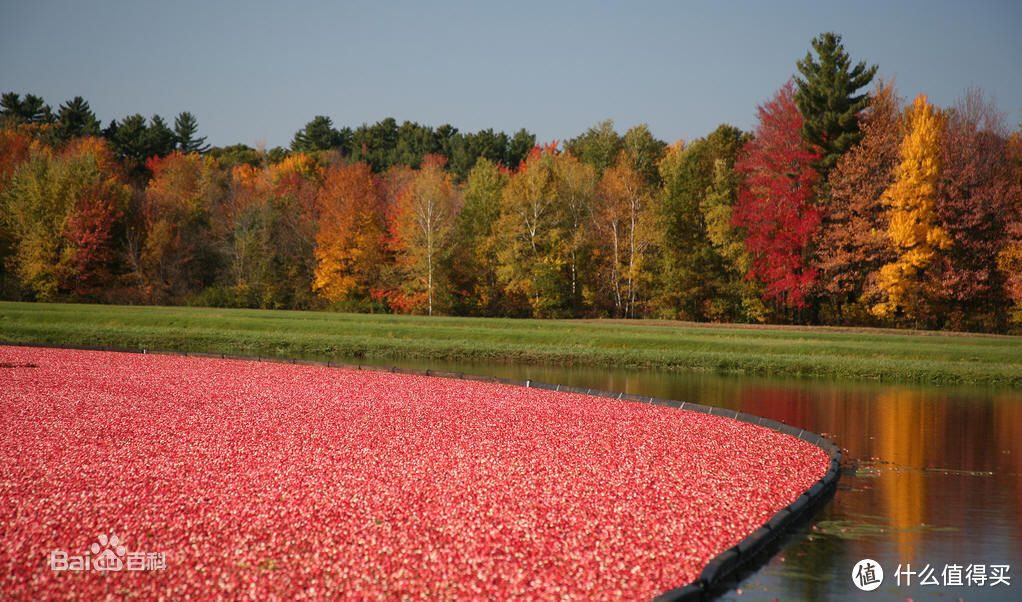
pixel 239 225
pixel 1009 264
pixel 828 100
pixel 735 297
pixel 623 217
pixel 775 202
pixel 599 146
pixel 853 242
pixel 644 152
pixel 175 254
pixel 16 146
pixel 349 246
pixel 228 157
pixel 530 236
pixel 576 184
pixel 690 275
pixel 977 195
pixel 294 218
pixel 473 261
pixel 266 230
pixel 420 230
pixel 1009 258
pixel 62 212
pixel 912 227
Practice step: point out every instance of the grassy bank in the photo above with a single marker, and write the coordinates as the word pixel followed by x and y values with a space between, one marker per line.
pixel 783 351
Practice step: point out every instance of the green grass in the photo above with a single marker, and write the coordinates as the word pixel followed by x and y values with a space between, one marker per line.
pixel 855 354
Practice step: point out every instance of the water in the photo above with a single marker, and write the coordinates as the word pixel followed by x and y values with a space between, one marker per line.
pixel 931 476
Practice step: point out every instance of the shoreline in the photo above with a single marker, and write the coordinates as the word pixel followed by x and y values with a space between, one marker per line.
pixel 801 352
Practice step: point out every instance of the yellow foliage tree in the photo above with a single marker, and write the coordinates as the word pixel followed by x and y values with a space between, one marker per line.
pixel 912 222
pixel 623 216
pixel 298 164
pixel 421 227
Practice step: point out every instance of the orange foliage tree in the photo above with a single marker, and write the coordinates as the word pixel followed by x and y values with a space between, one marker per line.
pixel 349 246
pixel 177 256
pixel 853 242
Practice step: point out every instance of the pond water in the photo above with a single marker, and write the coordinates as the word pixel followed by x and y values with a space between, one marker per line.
pixel 931 477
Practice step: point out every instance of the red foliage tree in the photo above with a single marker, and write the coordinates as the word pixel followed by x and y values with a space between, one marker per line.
pixel 775 201
pixel 977 196
pixel 90 230
pixel 853 241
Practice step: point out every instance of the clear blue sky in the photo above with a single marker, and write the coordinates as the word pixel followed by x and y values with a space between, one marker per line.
pixel 258 71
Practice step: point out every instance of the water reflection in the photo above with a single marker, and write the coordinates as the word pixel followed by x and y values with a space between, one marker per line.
pixel 932 474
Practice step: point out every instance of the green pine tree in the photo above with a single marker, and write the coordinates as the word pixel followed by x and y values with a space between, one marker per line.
pixel 827 99
pixel 76 118
pixel 317 135
pixel 33 109
pixel 185 127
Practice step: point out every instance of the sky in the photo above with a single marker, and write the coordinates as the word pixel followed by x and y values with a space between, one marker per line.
pixel 256 72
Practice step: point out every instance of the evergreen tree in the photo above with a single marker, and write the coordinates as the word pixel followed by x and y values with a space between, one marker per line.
pixel 375 144
pixel 519 147
pixel 33 109
pixel 76 118
pixel 317 135
pixel 136 141
pixel 128 138
pixel 160 139
pixel 827 99
pixel 185 127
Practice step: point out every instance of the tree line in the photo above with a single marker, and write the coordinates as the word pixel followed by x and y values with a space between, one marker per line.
pixel 846 206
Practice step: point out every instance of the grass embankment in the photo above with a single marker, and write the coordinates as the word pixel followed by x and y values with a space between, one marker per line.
pixel 782 351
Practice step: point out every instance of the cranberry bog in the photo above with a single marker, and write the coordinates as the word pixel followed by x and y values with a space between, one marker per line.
pixel 164 476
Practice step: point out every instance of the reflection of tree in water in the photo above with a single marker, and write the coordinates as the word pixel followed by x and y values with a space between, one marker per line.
pixel 902 438
pixel 1008 424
